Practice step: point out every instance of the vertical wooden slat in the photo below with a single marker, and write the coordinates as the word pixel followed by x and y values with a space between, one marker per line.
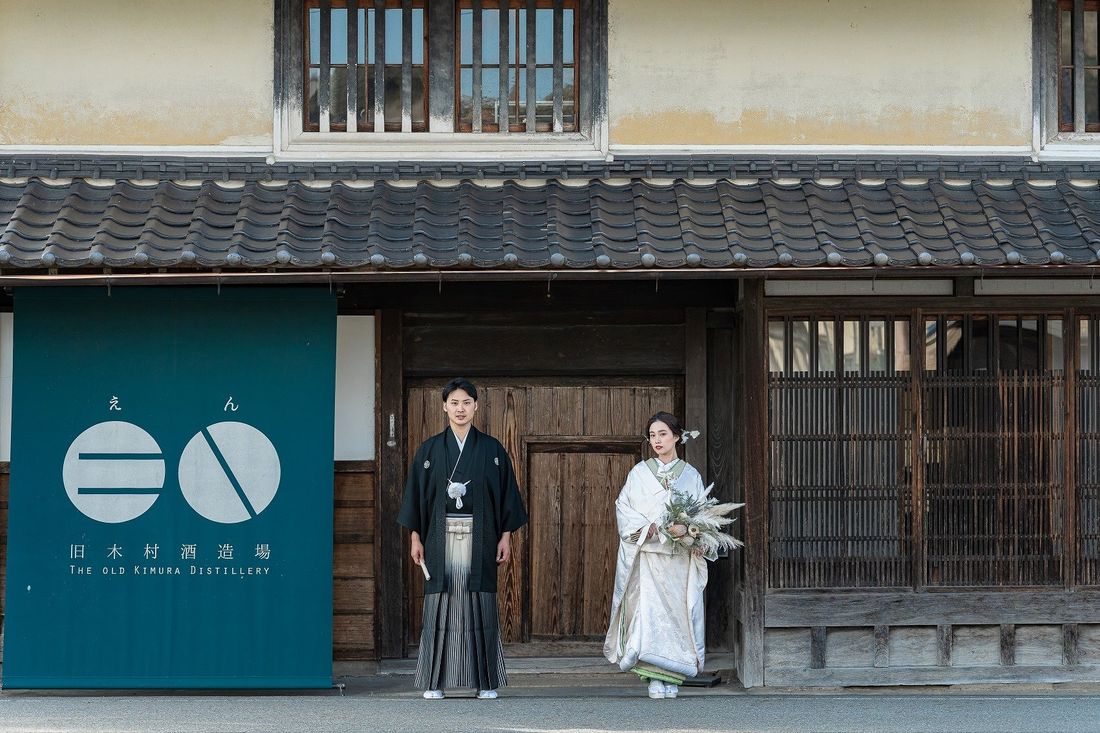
pixel 818 641
pixel 476 103
pixel 944 640
pixel 724 583
pixel 695 386
pixel 504 65
pixel 441 80
pixel 1071 340
pixel 755 472
pixel 324 91
pixel 532 105
pixel 1071 655
pixel 353 67
pixel 1008 645
pixel 916 450
pixel 390 557
pixel 406 65
pixel 882 646
pixel 558 66
pixel 379 65
pixel 1079 66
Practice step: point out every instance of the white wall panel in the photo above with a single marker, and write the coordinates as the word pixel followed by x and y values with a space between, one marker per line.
pixel 355 398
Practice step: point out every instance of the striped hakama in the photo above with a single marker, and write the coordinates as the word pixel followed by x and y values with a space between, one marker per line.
pixel 460 644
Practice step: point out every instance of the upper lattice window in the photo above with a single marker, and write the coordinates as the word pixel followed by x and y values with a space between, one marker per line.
pixel 465 66
pixel 1078 66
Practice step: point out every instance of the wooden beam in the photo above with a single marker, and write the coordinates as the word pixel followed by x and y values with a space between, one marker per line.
pixel 695 387
pixel 794 610
pixel 755 473
pixel 390 538
pixel 872 676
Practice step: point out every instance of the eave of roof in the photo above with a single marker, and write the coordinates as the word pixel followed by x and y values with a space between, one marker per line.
pixel 717 225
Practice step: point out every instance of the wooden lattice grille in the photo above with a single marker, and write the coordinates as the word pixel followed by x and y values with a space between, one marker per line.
pixel 840 419
pixel 1088 452
pixel 982 417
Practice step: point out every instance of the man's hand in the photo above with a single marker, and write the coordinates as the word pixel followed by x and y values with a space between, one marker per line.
pixel 504 548
pixel 416 548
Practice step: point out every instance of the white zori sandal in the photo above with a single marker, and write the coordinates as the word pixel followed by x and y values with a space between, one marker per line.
pixel 486 694
pixel 656 689
pixel 433 694
pixel 671 690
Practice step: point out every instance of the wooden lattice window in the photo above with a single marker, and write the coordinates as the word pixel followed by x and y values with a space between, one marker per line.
pixel 992 407
pixel 1079 65
pixel 339 84
pixel 840 421
pixel 473 66
pixel 1087 464
pixel 947 474
pixel 517 63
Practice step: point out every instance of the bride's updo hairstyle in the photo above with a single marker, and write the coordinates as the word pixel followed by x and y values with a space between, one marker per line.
pixel 668 419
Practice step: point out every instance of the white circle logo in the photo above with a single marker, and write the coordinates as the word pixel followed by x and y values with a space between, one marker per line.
pixel 113 472
pixel 229 472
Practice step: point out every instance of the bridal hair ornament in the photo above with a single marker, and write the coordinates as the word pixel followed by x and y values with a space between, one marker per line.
pixel 689 435
pixel 456 490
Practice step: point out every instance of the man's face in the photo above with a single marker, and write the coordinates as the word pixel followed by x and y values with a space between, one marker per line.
pixel 460 408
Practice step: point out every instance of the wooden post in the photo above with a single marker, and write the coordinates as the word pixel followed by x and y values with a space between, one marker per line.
pixel 916 377
pixel 755 471
pixel 389 549
pixel 695 387
pixel 1071 337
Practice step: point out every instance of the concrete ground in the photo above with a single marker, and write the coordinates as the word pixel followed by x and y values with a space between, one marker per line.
pixel 563 703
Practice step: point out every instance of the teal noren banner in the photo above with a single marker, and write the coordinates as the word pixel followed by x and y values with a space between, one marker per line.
pixel 170 515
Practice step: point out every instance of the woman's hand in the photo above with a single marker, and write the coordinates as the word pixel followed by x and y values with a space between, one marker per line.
pixel 678 530
pixel 652 531
pixel 416 548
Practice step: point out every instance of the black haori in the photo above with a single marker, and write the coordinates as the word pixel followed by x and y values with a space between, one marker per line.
pixel 460 644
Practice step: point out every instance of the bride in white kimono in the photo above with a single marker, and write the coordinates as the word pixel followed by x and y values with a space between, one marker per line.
pixel 657 625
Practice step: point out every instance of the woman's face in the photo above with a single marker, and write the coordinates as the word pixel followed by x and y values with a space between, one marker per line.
pixel 662 440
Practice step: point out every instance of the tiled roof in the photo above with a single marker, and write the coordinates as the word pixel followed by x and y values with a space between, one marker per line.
pixel 597 224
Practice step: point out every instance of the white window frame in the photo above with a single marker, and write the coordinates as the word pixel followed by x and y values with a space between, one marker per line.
pixel 1049 141
pixel 293 143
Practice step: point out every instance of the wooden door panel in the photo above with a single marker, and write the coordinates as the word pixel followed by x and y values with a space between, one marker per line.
pixel 574 539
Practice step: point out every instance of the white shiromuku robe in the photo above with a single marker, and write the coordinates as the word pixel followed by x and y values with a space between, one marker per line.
pixel 657 612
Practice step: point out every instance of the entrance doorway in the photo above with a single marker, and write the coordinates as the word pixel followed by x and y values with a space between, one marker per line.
pixel 572 442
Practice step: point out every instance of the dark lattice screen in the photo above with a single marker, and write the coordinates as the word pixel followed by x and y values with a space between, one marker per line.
pixel 991 485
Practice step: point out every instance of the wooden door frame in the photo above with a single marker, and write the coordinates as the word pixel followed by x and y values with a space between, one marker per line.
pixel 391 635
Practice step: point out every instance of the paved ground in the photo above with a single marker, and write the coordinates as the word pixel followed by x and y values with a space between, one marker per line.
pixel 564 704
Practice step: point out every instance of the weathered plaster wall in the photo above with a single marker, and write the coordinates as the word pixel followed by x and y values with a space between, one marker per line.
pixel 803 72
pixel 136 72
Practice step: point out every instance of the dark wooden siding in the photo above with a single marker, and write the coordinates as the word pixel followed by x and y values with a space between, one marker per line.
pixel 353 573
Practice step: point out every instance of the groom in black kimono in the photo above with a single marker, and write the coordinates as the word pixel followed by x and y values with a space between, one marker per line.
pixel 461 506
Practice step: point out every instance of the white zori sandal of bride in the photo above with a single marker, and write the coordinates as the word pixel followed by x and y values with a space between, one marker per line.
pixel 433 694
pixel 656 689
pixel 671 690
pixel 486 694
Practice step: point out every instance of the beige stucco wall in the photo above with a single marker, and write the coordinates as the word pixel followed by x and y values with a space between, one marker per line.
pixel 136 72
pixel 826 72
